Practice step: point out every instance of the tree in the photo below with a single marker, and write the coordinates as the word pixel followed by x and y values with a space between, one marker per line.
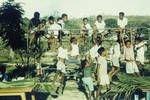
pixel 11 23
pixel 111 23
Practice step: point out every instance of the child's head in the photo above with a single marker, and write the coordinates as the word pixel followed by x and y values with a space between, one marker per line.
pixel 85 21
pixel 43 21
pixel 99 18
pixel 51 20
pixel 101 51
pixel 128 43
pixel 64 17
pixel 138 40
pixel 73 40
pixel 121 15
pixel 36 15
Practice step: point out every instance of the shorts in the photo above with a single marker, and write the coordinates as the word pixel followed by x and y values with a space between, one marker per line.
pixel 131 67
pixel 89 82
pixel 115 62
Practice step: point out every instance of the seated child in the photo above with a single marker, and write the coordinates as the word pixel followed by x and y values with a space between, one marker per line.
pixel 131 66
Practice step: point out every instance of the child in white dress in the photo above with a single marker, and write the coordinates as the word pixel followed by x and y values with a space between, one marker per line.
pixel 102 76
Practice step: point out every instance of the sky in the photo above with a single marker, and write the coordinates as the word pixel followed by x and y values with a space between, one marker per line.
pixel 84 8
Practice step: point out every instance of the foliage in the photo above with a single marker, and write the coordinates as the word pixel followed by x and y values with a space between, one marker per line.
pixel 128 85
pixel 111 23
pixel 11 25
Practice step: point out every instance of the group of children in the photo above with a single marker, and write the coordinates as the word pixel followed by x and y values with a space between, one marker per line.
pixel 96 58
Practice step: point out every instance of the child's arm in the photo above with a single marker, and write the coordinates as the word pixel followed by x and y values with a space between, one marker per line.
pixel 131 36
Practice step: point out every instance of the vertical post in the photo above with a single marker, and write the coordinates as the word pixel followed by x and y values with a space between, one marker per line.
pixel 148 95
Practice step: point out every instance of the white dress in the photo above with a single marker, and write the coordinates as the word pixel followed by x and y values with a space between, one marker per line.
pixel 104 78
pixel 87 27
pixel 131 67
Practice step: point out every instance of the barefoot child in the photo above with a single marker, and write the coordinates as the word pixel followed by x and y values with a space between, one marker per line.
pixel 61 67
pixel 87 79
pixel 115 55
pixel 102 76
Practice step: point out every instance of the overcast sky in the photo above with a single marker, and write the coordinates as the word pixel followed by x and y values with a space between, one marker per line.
pixel 82 8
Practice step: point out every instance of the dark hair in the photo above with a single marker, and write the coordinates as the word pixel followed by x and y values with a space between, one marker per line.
pixel 101 50
pixel 64 15
pixel 43 21
pixel 121 13
pixel 59 18
pixel 72 39
pixel 83 63
pixel 139 39
pixel 127 41
pixel 85 19
pixel 99 16
pixel 36 14
pixel 51 18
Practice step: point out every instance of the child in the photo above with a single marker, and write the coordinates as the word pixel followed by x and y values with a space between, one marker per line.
pixel 61 67
pixel 131 67
pixel 53 31
pixel 122 23
pixel 94 54
pixel 86 28
pixel 115 55
pixel 140 50
pixel 102 76
pixel 74 48
pixel 100 25
pixel 87 79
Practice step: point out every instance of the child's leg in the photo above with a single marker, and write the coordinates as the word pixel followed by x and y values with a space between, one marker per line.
pixel 55 77
pixel 98 92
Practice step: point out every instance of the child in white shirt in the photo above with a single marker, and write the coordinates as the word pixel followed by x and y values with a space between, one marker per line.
pixel 140 50
pixel 74 48
pixel 86 28
pixel 115 55
pixel 102 76
pixel 100 25
pixel 61 67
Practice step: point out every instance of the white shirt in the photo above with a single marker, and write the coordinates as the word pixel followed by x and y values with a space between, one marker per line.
pixel 93 52
pixel 75 50
pixel 53 29
pixel 62 53
pixel 129 53
pixel 122 23
pixel 140 52
pixel 61 22
pixel 115 50
pixel 87 27
pixel 100 26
